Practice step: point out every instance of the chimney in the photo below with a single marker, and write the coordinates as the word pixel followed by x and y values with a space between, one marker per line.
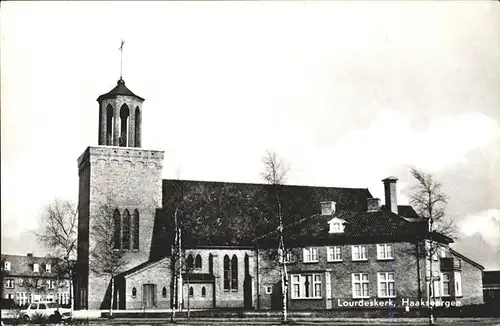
pixel 327 207
pixel 30 255
pixel 373 204
pixel 391 201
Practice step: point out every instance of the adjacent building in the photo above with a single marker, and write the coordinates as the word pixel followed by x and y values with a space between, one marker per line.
pixel 29 279
pixel 491 286
pixel 343 248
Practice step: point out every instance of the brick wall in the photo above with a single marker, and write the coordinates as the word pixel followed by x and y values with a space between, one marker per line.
pixel 159 274
pixel 472 284
pixel 404 267
pixel 126 178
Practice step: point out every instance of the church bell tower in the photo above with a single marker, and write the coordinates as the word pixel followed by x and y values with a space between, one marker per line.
pixel 120 117
pixel 124 178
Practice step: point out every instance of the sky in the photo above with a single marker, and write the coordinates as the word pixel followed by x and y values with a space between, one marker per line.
pixel 347 93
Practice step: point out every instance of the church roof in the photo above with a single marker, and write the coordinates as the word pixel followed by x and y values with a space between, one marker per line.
pixel 119 89
pixel 234 214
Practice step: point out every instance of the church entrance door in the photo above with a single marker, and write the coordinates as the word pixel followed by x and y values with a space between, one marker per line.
pixel 148 295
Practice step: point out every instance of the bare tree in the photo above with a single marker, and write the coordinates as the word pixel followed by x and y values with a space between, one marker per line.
pixel 59 233
pixel 429 201
pixel 107 254
pixel 275 172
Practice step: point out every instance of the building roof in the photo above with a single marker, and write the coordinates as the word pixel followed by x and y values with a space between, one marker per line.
pixel 406 211
pixel 198 277
pixel 23 265
pixel 491 278
pixel 470 261
pixel 233 214
pixel 360 226
pixel 119 89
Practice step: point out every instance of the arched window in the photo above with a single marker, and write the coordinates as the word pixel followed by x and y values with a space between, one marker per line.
pixel 211 264
pixel 227 270
pixel 234 273
pixel 118 227
pixel 197 262
pixel 137 127
pixel 126 230
pixel 110 119
pixel 190 262
pixel 135 230
pixel 247 265
pixel 124 124
pixel 134 292
pixel 203 291
pixel 191 291
pixel 164 292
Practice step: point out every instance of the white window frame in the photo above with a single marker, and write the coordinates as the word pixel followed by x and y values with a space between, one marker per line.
pixel 443 294
pixel 289 257
pixel 6 266
pixel 300 281
pixel 50 284
pixel 458 284
pixel 443 252
pixel 9 283
pixel 36 268
pixel 361 281
pixel 48 268
pixel 383 279
pixel 358 249
pixel 334 254
pixel 269 289
pixel 310 255
pixel 383 251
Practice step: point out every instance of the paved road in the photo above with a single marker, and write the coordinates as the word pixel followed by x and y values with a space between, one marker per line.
pixel 308 321
pixel 295 322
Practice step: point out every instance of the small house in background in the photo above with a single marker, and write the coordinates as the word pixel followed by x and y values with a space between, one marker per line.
pixel 30 278
pixel 491 286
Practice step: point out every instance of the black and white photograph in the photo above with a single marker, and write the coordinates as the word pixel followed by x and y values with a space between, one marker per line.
pixel 250 162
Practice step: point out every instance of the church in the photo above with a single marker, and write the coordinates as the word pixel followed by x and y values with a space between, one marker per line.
pixel 345 249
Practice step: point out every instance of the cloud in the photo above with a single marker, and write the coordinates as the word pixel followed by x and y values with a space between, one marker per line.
pixel 486 223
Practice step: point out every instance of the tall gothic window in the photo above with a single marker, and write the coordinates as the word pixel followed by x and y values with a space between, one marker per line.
pixel 234 273
pixel 197 262
pixel 190 262
pixel 126 230
pixel 118 227
pixel 124 124
pixel 230 273
pixel 137 127
pixel 110 119
pixel 227 270
pixel 135 230
pixel 211 264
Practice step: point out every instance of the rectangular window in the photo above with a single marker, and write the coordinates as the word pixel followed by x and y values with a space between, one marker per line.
pixel 458 284
pixel 334 253
pixel 306 286
pixel 9 284
pixel 443 252
pixel 360 285
pixel 359 253
pixel 269 289
pixel 384 251
pixel 386 285
pixel 48 268
pixel 36 268
pixel 289 257
pixel 445 284
pixel 51 284
pixel 7 266
pixel 310 255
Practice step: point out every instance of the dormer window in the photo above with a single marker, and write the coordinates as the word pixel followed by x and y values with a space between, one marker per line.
pixel 48 268
pixel 327 207
pixel 336 225
pixel 7 266
pixel 35 268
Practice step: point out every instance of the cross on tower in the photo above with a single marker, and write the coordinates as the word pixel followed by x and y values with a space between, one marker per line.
pixel 121 58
